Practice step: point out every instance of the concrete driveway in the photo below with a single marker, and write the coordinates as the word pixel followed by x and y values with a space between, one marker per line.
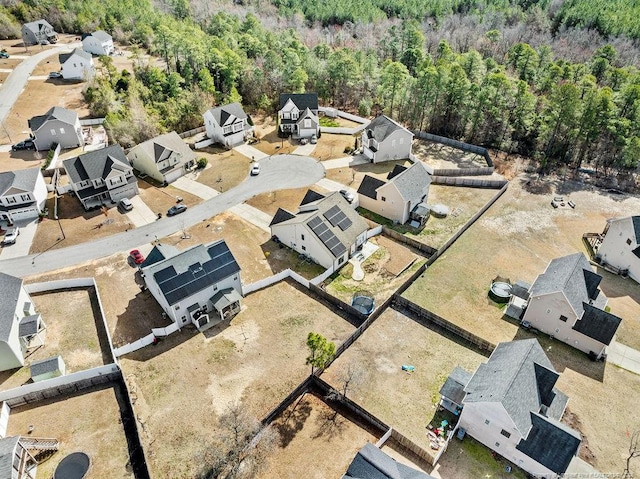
pixel 23 243
pixel 305 149
pixel 141 214
pixel 345 162
pixel 279 172
pixel 624 356
pixel 250 152
pixel 331 185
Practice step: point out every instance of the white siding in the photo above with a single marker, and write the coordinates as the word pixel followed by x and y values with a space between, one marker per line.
pixel 396 146
pixel 617 246
pixel 393 207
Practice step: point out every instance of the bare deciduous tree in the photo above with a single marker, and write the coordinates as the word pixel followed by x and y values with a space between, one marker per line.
pixel 634 451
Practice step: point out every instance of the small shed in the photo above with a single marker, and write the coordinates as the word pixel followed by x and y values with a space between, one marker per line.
pixel 47 368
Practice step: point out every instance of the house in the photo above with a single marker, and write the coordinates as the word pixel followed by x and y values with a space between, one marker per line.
pixel 511 405
pixel 57 126
pixel 23 195
pixel 200 285
pixel 101 176
pixel 48 368
pixel 227 125
pixel 77 65
pixel 98 43
pixel 620 246
pixel 384 140
pixel 566 303
pixel 298 115
pixel 373 463
pixel 16 462
pixel 38 32
pixel 400 195
pixel 326 229
pixel 21 328
pixel 164 158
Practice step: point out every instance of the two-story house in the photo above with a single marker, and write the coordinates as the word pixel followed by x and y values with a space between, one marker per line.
pixel 511 405
pixel 164 158
pixel 98 43
pixel 620 246
pixel 16 461
pixel 565 301
pixel 326 229
pixel 298 115
pixel 38 32
pixel 200 285
pixel 77 65
pixel 101 177
pixel 399 196
pixel 23 195
pixel 384 140
pixel 57 126
pixel 227 125
pixel 21 328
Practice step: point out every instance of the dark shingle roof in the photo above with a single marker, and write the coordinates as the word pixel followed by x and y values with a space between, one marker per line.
pixel 310 196
pixel 520 289
pixel 97 164
pixel 636 252
pixel 280 216
pixel 550 443
pixel 635 221
pixel 24 180
pixel 29 325
pixel 38 25
pixel 10 287
pixel 372 463
pixel 369 186
pixel 301 100
pixel 7 446
pixel 63 57
pixel 397 169
pixel 228 113
pixel 48 365
pixel 381 127
pixel 159 252
pixel 597 324
pixel 412 183
pixel 55 113
pixel 453 387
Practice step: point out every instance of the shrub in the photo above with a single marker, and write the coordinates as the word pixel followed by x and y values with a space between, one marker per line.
pixel 202 163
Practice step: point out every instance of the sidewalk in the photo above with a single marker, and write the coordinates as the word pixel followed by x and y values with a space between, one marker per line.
pixel 250 152
pixel 624 356
pixel 347 161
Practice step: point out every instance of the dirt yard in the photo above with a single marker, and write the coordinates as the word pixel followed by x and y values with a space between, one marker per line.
pixel 89 422
pixel 71 333
pixel 226 168
pixel 286 199
pixel 438 155
pixel 257 359
pixel 160 199
pixel 316 443
pixel 268 140
pixel 352 177
pixel 332 146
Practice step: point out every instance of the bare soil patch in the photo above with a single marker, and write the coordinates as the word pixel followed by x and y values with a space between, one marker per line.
pixel 438 155
pixel 332 146
pixel 226 168
pixel 160 199
pixel 286 199
pixel 280 257
pixel 267 135
pixel 352 177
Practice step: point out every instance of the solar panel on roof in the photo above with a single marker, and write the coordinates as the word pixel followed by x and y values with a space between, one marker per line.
pixel 332 215
pixel 314 222
pixel 338 250
pixel 164 274
pixel 344 224
pixel 328 238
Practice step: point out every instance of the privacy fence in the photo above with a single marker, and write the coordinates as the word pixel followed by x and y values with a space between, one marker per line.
pixel 478 150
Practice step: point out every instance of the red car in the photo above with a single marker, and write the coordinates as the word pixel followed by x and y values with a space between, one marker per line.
pixel 137 256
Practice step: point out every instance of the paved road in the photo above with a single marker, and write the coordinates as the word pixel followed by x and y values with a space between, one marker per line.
pixel 278 172
pixel 16 81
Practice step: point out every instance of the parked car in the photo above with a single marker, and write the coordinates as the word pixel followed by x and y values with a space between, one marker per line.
pixel 55 75
pixel 4 55
pixel 45 42
pixel 347 195
pixel 314 139
pixel 136 256
pixel 125 204
pixel 304 141
pixel 176 210
pixel 27 144
pixel 11 235
pixel 255 169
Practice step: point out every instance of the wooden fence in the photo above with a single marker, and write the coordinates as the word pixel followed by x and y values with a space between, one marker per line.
pixel 478 150
pixel 423 248
pixel 92 121
pixel 467 182
pixel 188 133
pixel 338 303
pixel 480 171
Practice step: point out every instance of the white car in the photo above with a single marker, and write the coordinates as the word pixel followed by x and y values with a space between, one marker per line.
pixel 11 235
pixel 55 75
pixel 255 169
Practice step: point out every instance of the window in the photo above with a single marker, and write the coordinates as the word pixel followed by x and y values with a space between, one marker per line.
pixel 11 200
pixel 383 198
pixel 75 66
pixel 563 318
pixel 401 141
pixel 497 444
pixel 53 132
pixel 304 248
pixel 25 197
pixel 486 421
pixel 341 260
pixel 506 434
pixel 629 241
pixel 307 123
pixel 176 307
pixel 62 131
pixel 302 237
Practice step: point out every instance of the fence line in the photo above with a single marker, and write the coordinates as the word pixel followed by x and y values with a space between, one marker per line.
pixel 92 121
pixel 478 150
pixel 423 248
pixel 468 182
pixel 343 130
pixel 202 144
pixel 192 132
pixel 322 276
pixel 405 443
pixel 384 438
pixel 265 282
pixel 161 332
pixel 480 171
pixel 338 303
pixel 374 231
pixel 139 344
pixel 302 388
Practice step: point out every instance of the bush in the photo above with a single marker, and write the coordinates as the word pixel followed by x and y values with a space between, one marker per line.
pixel 364 107
pixel 202 163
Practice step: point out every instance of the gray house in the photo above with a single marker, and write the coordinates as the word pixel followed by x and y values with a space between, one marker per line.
pixel 38 32
pixel 164 158
pixel 102 176
pixel 298 115
pixel 23 195
pixel 227 125
pixel 372 463
pixel 58 125
pixel 384 140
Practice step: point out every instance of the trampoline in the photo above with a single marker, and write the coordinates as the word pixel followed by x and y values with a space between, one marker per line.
pixel 500 292
pixel 364 304
pixel 74 466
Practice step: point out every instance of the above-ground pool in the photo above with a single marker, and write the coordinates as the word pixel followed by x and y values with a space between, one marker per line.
pixel 364 304
pixel 75 466
pixel 500 292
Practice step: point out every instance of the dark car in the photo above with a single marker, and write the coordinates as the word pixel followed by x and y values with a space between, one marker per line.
pixel 4 55
pixel 27 144
pixel 136 256
pixel 176 210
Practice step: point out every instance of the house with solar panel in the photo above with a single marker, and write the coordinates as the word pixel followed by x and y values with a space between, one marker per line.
pixel 385 140
pixel 325 229
pixel 101 177
pixel 398 198
pixel 200 285
pixel 21 327
pixel 619 246
pixel 511 405
pixel 298 115
pixel 565 302
pixel 227 125
pixel 164 158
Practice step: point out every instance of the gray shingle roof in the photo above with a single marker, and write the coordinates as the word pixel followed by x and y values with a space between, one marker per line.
pixel 193 270
pixel 10 287
pixel 48 365
pixel 63 57
pixel 97 164
pixel 301 100
pixel 572 275
pixel 24 180
pixel 413 182
pixel 550 443
pixel 101 35
pixel 520 289
pixel 55 113
pixel 453 388
pixel 157 147
pixel 369 186
pixel 224 298
pixel 227 114
pixel 38 25
pixel 597 324
pixel 381 127
pixel 29 325
pixel 7 447
pixel 372 463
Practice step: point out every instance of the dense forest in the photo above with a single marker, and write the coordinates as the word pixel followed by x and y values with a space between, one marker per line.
pixel 556 81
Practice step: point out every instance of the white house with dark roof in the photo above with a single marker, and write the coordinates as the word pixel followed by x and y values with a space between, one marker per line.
pixel 21 328
pixel 77 65
pixel 16 462
pixel 38 32
pixel 23 195
pixel 620 246
pixel 511 405
pixel 298 115
pixel 566 303
pixel 227 125
pixel 164 158
pixel 397 197
pixel 373 463
pixel 200 285
pixel 98 43
pixel 384 140
pixel 326 229
pixel 101 177
pixel 58 125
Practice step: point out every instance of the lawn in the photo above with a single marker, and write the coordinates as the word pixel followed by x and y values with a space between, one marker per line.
pixel 286 199
pixel 332 146
pixel 226 168
pixel 160 199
